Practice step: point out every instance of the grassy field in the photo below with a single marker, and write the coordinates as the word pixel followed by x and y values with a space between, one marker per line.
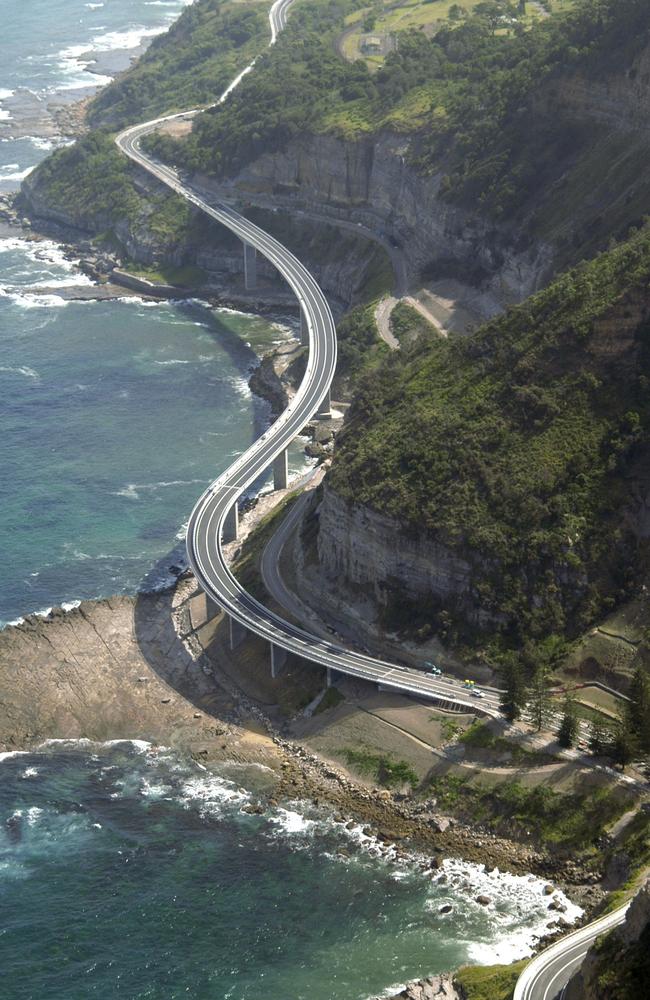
pixel 386 19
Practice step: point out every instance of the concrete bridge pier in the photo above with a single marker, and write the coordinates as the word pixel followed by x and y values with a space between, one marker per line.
pixel 304 329
pixel 212 609
pixel 237 633
pixel 281 470
pixel 325 408
pixel 278 659
pixel 331 677
pixel 250 266
pixel 231 525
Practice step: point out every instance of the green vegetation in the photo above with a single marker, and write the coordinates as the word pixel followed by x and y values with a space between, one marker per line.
pixel 622 970
pixel 480 736
pixel 93 184
pixel 189 66
pixel 246 568
pixel 331 699
pixel 515 447
pixel 566 821
pixel 568 732
pixel 489 982
pixel 480 100
pixel 381 768
pixel 408 325
pixel 359 345
pixel 185 276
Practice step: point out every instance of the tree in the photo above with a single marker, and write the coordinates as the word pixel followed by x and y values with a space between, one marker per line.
pixel 598 739
pixel 624 746
pixel 639 708
pixel 567 733
pixel 513 697
pixel 539 705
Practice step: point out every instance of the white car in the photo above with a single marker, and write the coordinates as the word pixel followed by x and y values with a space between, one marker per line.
pixel 477 694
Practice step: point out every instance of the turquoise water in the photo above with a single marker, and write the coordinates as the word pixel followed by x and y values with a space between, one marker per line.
pixel 126 873
pixel 115 416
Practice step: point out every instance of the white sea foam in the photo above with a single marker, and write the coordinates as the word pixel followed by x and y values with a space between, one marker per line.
pixel 70 605
pixel 30 772
pixel 4 93
pixel 210 794
pixel 18 175
pixel 21 370
pixel 515 919
pixel 26 301
pixel 6 754
pixel 132 490
pixel 291 822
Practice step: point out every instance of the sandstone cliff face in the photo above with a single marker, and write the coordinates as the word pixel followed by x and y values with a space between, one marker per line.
pixel 620 100
pixel 369 180
pixel 371 557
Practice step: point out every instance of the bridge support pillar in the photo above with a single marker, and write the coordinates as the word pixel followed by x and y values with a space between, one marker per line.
pixel 250 266
pixel 281 470
pixel 231 525
pixel 278 659
pixel 237 633
pixel 331 677
pixel 304 329
pixel 325 408
pixel 212 609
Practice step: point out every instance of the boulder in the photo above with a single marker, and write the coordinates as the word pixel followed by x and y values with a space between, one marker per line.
pixel 483 900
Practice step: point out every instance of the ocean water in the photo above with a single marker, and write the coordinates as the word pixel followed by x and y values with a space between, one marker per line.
pixel 115 416
pixel 126 872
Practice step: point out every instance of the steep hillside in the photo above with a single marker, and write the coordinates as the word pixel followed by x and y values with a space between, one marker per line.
pixel 499 484
pixel 617 967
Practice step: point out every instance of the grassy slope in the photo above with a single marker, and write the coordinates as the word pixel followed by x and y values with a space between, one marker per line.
pixel 493 982
pixel 513 447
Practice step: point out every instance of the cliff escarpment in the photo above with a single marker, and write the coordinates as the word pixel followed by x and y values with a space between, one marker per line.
pixel 500 484
pixel 370 180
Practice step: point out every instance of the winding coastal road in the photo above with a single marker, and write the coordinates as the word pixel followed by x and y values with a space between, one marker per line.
pixel 206 524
